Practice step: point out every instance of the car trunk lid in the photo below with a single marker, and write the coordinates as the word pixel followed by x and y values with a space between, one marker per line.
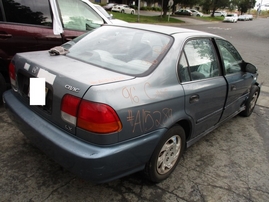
pixel 63 75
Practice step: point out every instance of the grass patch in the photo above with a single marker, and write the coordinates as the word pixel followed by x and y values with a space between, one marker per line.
pixel 211 19
pixel 144 19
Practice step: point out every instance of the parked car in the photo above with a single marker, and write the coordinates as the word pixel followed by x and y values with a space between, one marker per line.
pixel 220 14
pixel 245 17
pixel 242 18
pixel 109 6
pixel 183 12
pixel 109 16
pixel 250 17
pixel 39 25
pixel 196 13
pixel 233 17
pixel 123 9
pixel 113 108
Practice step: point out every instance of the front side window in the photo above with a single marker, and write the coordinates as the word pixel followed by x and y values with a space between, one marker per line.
pixel 230 56
pixel 199 55
pixel 36 12
pixel 124 50
pixel 77 15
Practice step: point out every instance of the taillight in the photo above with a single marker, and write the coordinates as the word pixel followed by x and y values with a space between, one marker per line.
pixel 69 108
pixel 98 118
pixel 91 116
pixel 12 74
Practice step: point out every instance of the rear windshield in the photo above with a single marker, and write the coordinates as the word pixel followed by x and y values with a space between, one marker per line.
pixel 125 50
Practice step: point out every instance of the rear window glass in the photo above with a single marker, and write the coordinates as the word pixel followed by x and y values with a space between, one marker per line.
pixel 35 12
pixel 124 50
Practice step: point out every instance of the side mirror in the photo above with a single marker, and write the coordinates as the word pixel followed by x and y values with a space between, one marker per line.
pixel 251 68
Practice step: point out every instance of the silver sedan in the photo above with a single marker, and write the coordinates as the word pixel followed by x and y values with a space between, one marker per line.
pixel 129 98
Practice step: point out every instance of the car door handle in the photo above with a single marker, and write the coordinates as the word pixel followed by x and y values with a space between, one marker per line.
pixel 233 88
pixel 5 36
pixel 194 98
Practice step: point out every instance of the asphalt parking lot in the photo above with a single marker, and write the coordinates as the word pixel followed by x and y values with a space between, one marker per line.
pixel 229 164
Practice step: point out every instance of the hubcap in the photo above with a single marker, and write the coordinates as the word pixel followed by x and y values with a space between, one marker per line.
pixel 253 100
pixel 169 154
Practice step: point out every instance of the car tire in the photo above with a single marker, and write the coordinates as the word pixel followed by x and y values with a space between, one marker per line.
pixel 251 101
pixel 3 87
pixel 132 12
pixel 166 155
pixel 122 11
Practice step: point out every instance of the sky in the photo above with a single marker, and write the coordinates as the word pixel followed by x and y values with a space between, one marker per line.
pixel 263 3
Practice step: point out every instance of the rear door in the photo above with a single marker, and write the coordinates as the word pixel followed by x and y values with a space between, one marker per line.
pixel 26 26
pixel 205 88
pixel 239 81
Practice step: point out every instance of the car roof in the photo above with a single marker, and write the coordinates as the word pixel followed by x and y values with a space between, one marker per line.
pixel 168 30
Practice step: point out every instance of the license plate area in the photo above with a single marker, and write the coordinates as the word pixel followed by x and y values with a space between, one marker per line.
pixel 24 89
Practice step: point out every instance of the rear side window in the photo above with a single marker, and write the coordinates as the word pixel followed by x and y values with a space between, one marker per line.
pixel 36 12
pixel 199 60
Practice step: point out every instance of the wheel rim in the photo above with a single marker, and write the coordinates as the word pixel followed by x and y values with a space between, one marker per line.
pixel 169 154
pixel 253 100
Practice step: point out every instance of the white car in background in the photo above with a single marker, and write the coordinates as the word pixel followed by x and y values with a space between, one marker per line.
pixel 109 16
pixel 233 17
pixel 245 17
pixel 220 14
pixel 250 17
pixel 196 13
pixel 123 8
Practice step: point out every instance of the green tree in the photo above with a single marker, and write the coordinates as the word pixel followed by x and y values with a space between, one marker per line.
pixel 216 4
pixel 245 5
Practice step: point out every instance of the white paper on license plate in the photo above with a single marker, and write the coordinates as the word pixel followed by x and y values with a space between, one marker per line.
pixel 37 97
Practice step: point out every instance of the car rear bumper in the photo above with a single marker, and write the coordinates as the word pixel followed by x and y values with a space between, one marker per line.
pixel 96 163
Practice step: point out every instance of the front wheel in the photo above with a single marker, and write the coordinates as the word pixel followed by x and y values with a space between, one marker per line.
pixel 251 101
pixel 166 155
pixel 122 11
pixel 132 12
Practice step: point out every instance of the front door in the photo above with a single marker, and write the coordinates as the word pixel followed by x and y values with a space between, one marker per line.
pixel 239 81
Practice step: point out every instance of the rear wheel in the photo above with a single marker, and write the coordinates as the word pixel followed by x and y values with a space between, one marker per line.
pixel 251 102
pixel 132 12
pixel 122 11
pixel 166 155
